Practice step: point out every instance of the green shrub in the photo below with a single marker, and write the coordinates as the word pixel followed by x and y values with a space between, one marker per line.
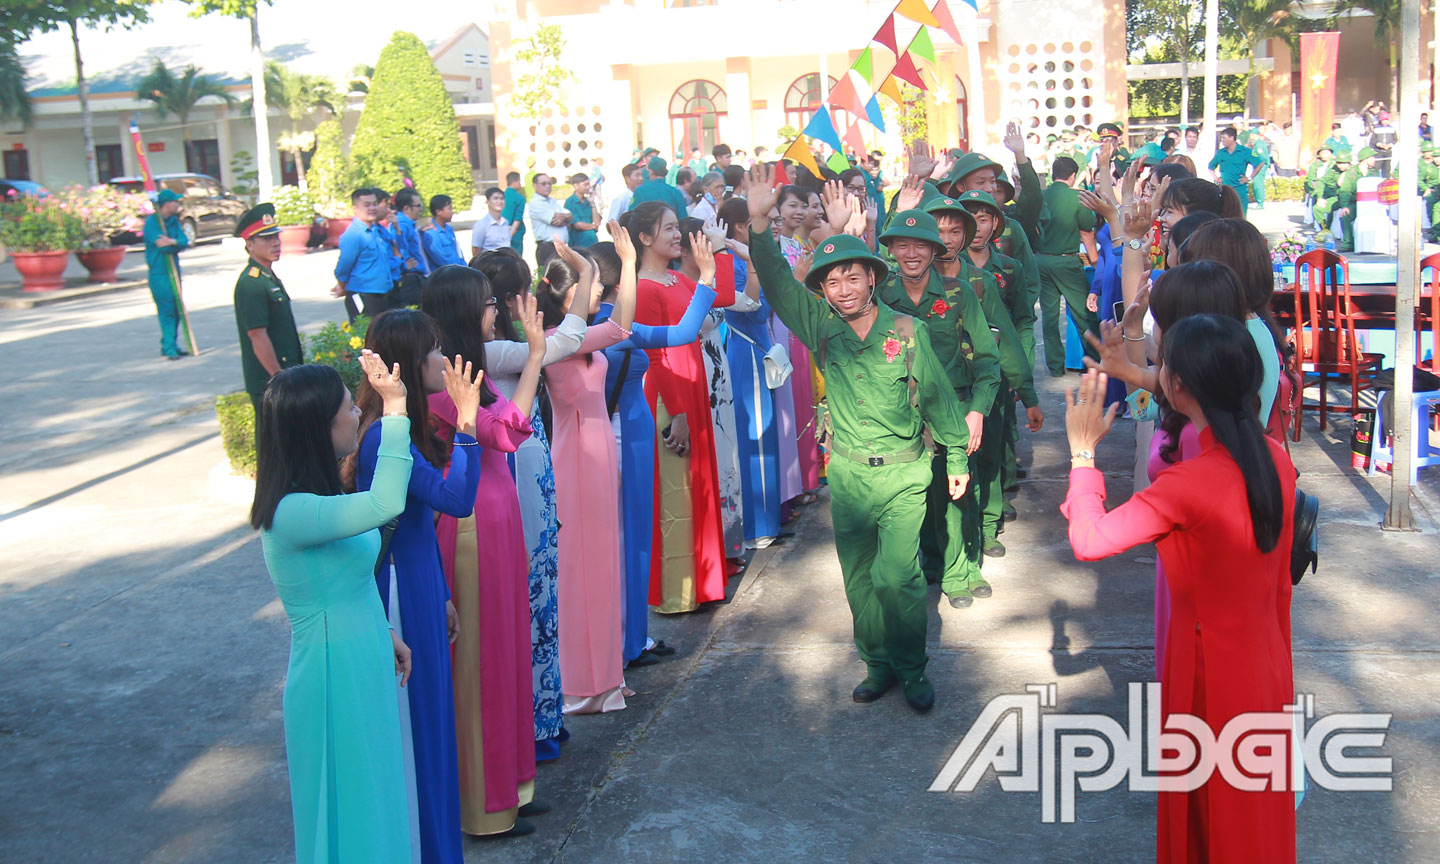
pixel 329 175
pixel 237 431
pixel 408 127
pixel 292 206
pixel 1284 188
pixel 338 346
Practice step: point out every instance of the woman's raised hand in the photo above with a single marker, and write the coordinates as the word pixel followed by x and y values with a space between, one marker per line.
pixel 1102 206
pixel 1111 349
pixel 761 194
pixel 624 246
pixel 385 382
pixel 527 312
pixel 1139 217
pixel 802 267
pixel 463 383
pixel 570 256
pixel 922 159
pixel 859 217
pixel 1086 418
pixel 704 257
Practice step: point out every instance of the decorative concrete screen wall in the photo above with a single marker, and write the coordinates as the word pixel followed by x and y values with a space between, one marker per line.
pixel 1050 62
pixel 568 139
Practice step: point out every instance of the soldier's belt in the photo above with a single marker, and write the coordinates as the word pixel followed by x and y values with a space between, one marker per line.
pixel 876 460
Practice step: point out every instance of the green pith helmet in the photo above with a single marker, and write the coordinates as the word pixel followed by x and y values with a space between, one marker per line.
pixel 1343 157
pixel 839 249
pixel 916 225
pixel 1365 153
pixel 950 205
pixel 977 200
pixel 966 165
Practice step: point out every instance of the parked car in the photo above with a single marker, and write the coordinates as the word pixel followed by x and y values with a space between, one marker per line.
pixel 11 189
pixel 207 208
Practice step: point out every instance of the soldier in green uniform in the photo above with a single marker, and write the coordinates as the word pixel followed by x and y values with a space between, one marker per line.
pixel 1346 195
pixel 1314 174
pixel 993 278
pixel 1119 163
pixel 164 238
pixel 1260 146
pixel 269 341
pixel 883 384
pixel 1329 191
pixel 1429 182
pixel 1062 269
pixel 950 547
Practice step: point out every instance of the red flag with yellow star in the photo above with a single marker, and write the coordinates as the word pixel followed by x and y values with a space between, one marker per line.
pixel 1318 53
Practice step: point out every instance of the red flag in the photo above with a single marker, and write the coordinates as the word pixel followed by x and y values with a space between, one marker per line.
pixel 1318 53
pixel 846 96
pixel 947 21
pixel 855 139
pixel 886 36
pixel 905 70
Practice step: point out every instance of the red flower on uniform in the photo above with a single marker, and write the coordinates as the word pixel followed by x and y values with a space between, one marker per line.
pixel 892 349
pixel 940 307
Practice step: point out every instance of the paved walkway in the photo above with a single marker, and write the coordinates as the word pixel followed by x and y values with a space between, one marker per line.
pixel 140 711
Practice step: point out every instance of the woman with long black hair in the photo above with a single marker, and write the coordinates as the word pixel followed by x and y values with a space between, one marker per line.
pixel 1221 522
pixel 411 578
pixel 347 780
pixel 494 692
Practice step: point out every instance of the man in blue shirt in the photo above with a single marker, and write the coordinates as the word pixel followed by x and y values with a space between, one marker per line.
pixel 656 189
pixel 413 266
pixel 515 210
pixel 582 227
pixel 364 266
pixel 1232 163
pixel 163 241
pixel 439 240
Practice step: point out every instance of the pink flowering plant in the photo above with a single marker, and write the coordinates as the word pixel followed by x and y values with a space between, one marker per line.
pixel 1287 249
pixel 105 211
pixel 39 225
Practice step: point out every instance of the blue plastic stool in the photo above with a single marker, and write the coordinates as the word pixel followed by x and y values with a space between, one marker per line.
pixel 1424 454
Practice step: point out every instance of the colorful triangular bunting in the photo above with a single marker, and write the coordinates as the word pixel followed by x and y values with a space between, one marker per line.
pixel 823 128
pixel 917 11
pixel 844 95
pixel 864 64
pixel 873 113
pixel 890 87
pixel 905 70
pixel 855 139
pixel 837 163
pixel 947 21
pixel 799 151
pixel 886 35
pixel 922 47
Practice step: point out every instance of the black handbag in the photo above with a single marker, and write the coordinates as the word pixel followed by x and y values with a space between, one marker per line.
pixel 1304 545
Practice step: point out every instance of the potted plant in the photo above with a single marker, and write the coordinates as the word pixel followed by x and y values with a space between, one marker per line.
pixel 338 346
pixel 40 235
pixel 294 213
pixel 106 213
pixel 339 215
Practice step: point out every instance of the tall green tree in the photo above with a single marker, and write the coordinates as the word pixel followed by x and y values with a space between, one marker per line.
pixel 298 95
pixel 360 75
pixel 1250 22
pixel 249 10
pixel 543 75
pixel 1387 24
pixel 408 127
pixel 329 174
pixel 178 95
pixel 25 18
pixel 1177 25
pixel 14 80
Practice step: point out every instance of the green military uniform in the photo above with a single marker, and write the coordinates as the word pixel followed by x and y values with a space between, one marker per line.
pixel 1314 173
pixel 1014 241
pixel 1329 190
pixel 1260 146
pixel 950 546
pixel 1000 286
pixel 1346 197
pixel 1062 273
pixel 261 301
pixel 881 390
pixel 1232 165
pixel 1120 163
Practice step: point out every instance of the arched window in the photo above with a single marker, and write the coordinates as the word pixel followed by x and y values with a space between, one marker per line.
pixel 962 113
pixel 696 110
pixel 803 99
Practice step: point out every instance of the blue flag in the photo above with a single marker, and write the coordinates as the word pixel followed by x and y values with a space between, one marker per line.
pixel 821 127
pixel 872 113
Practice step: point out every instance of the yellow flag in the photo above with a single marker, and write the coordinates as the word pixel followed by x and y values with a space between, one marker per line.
pixel 892 89
pixel 917 11
pixel 799 151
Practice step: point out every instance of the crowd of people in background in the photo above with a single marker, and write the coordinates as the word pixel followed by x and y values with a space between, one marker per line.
pixel 469 547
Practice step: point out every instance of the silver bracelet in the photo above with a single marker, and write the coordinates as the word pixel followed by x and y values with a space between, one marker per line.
pixel 1131 338
pixel 464 443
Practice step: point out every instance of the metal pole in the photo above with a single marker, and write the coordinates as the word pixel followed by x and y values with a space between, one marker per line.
pixel 1407 270
pixel 1212 73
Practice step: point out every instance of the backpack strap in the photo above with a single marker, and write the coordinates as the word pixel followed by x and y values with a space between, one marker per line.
pixel 614 401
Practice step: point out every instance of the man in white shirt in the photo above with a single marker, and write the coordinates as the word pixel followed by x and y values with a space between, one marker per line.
pixel 633 176
pixel 548 218
pixel 492 230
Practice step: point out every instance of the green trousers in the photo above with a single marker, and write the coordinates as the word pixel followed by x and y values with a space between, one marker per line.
pixel 1243 193
pixel 988 475
pixel 1257 185
pixel 878 513
pixel 1012 438
pixel 950 547
pixel 1064 276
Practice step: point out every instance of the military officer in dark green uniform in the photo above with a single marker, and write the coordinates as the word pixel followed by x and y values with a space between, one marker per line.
pixel 269 341
pixel 883 383
pixel 1119 162
pixel 950 548
pixel 1062 267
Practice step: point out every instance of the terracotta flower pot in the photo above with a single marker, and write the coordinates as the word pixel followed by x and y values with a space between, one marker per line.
pixel 102 263
pixel 41 271
pixel 334 230
pixel 293 239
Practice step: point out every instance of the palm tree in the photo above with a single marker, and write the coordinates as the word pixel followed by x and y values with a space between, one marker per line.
pixel 1251 22
pixel 297 95
pixel 179 96
pixel 1387 23
pixel 360 78
pixel 14 100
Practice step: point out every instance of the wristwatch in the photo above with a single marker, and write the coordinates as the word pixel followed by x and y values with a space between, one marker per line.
pixel 1083 454
pixel 1135 243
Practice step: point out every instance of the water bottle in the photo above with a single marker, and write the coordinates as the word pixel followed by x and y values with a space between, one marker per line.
pixel 1310 244
pixel 1330 244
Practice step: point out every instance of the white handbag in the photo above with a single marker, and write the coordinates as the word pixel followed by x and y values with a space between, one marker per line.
pixel 778 368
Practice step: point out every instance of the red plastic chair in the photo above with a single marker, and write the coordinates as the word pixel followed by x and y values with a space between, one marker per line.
pixel 1433 262
pixel 1325 334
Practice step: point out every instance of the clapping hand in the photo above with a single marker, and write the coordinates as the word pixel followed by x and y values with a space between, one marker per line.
pixel 1100 204
pixel 624 246
pixel 922 159
pixel 859 220
pixel 704 257
pixel 463 383
pixel 912 191
pixel 740 250
pixel 385 382
pixel 1086 418
pixel 761 195
pixel 1138 219
pixel 525 308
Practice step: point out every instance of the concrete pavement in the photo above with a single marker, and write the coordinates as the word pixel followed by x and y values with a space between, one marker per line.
pixel 140 715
